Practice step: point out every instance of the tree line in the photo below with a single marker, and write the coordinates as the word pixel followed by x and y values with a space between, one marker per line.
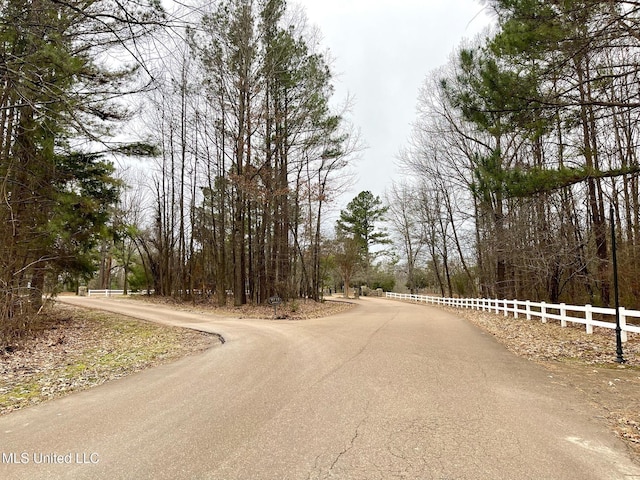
pixel 241 151
pixel 522 143
pixel 251 153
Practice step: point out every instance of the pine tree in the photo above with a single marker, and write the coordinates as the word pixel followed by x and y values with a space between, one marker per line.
pixel 54 93
pixel 358 222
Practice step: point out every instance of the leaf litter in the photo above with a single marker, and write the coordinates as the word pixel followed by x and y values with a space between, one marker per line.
pixel 79 349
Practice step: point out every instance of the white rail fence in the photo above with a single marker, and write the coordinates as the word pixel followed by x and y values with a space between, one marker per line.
pixel 104 293
pixel 542 310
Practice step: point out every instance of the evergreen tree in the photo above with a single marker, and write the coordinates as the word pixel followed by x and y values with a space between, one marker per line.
pixel 358 221
pixel 54 92
pixel 268 103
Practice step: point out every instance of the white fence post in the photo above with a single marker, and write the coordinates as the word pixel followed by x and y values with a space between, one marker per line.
pixel 588 317
pixel 623 324
pixel 504 305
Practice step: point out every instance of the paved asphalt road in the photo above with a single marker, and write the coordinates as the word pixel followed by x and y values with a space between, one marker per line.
pixel 388 390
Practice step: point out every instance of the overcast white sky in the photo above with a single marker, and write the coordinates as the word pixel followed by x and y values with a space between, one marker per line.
pixel 383 51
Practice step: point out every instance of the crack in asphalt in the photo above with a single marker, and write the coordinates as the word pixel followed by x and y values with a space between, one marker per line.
pixel 343 452
pixel 373 334
pixel 353 439
pixel 405 444
pixel 316 465
pixel 341 365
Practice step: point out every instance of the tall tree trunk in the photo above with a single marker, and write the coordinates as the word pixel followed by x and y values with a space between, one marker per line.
pixel 594 189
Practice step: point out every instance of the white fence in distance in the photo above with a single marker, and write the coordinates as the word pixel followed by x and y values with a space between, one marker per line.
pixel 104 293
pixel 544 311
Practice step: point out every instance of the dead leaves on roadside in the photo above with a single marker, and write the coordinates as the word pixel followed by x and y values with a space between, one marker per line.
pixel 81 349
pixel 551 342
pixel 291 310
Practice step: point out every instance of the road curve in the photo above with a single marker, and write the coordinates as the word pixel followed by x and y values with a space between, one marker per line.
pixel 386 390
